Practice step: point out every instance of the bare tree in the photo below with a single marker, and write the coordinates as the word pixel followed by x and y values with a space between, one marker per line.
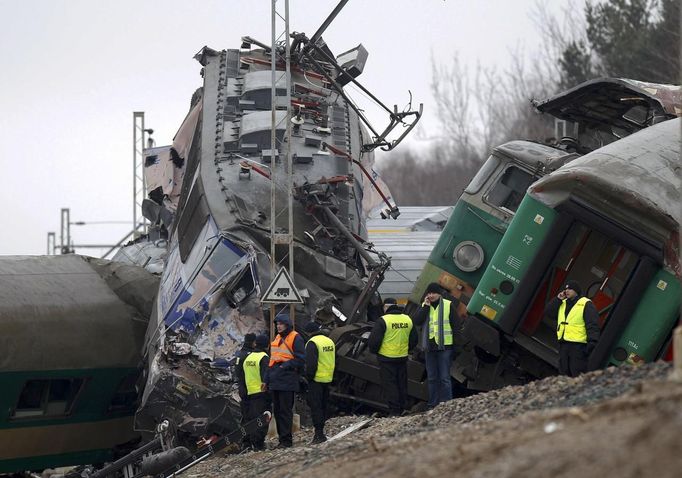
pixel 477 110
pixel 481 108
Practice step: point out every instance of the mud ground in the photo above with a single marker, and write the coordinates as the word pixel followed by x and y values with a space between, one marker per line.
pixel 624 422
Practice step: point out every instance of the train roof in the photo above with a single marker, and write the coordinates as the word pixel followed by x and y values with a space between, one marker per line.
pixel 635 180
pixel 608 102
pixel 408 241
pixel 409 250
pixel 412 218
pixel 59 313
pixel 531 153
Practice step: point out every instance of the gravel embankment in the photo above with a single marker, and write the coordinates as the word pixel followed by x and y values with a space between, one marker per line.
pixel 466 430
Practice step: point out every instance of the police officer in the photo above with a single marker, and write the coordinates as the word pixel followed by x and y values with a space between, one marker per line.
pixel 440 315
pixel 287 359
pixel 247 348
pixel 320 359
pixel 577 328
pixel 392 338
pixel 250 375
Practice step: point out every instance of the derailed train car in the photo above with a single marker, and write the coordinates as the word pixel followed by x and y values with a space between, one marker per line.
pixel 212 198
pixel 592 114
pixel 497 189
pixel 71 332
pixel 609 220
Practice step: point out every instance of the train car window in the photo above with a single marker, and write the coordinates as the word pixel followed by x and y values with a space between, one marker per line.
pixel 482 175
pixel 192 220
pixel 125 396
pixel 47 398
pixel 508 192
pixel 31 399
pixel 242 289
pixel 223 257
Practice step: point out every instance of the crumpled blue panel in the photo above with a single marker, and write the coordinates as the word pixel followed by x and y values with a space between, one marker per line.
pixel 190 308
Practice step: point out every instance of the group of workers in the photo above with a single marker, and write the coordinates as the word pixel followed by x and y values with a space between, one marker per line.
pixel 393 337
pixel 271 382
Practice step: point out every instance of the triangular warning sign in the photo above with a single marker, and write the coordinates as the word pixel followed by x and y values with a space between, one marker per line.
pixel 282 290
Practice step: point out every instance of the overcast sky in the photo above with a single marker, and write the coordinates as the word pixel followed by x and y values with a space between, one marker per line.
pixel 73 72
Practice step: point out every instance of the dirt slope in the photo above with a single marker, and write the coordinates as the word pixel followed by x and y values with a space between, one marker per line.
pixel 623 422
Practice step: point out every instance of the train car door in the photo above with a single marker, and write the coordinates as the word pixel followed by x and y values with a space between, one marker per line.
pixel 602 266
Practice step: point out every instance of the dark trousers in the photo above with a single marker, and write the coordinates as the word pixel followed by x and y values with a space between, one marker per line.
pixel 256 405
pixel 318 396
pixel 572 358
pixel 394 382
pixel 438 375
pixel 283 410
pixel 244 409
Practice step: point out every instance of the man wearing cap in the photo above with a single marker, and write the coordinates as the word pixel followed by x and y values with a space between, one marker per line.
pixel 287 359
pixel 247 348
pixel 577 328
pixel 250 376
pixel 320 360
pixel 438 340
pixel 392 338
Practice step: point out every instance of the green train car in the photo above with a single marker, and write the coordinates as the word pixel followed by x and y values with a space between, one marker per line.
pixel 482 214
pixel 609 220
pixel 71 335
pixel 592 114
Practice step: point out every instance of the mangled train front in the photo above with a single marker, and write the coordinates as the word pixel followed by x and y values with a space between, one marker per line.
pixel 213 201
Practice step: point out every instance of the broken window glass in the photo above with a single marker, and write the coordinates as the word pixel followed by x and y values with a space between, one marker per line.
pixel 242 289
pixel 508 192
pixel 193 301
pixel 638 114
pixel 482 175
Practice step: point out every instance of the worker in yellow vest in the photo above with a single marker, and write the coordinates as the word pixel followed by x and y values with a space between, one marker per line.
pixel 320 360
pixel 392 338
pixel 251 372
pixel 441 325
pixel 577 328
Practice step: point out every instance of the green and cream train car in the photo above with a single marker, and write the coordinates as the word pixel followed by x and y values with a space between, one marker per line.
pixel 588 116
pixel 609 220
pixel 482 214
pixel 71 335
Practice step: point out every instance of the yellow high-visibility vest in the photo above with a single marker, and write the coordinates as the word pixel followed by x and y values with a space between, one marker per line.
pixel 572 328
pixel 435 325
pixel 396 339
pixel 326 358
pixel 251 366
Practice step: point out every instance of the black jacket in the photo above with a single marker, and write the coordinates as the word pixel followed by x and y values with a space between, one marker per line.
pixel 422 317
pixel 242 353
pixel 311 357
pixel 239 359
pixel 590 315
pixel 241 379
pixel 284 376
pixel 376 337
